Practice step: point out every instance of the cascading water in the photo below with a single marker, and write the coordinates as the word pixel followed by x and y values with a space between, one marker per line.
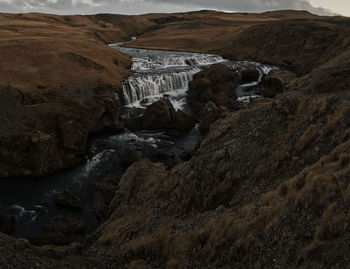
pixel 140 86
pixel 157 62
pixel 162 74
pixel 167 74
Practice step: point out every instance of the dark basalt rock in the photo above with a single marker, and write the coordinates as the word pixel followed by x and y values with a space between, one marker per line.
pixel 161 115
pixel 39 136
pixel 158 116
pixel 249 75
pixel 271 86
pixel 68 200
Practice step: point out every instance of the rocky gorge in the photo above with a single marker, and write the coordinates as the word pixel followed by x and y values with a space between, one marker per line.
pixel 265 187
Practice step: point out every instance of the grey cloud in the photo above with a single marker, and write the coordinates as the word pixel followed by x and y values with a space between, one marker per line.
pixel 146 6
pixel 251 5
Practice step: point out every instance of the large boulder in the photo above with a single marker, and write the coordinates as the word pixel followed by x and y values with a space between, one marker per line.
pixel 158 116
pixel 249 75
pixel 161 115
pixel 217 84
pixel 68 200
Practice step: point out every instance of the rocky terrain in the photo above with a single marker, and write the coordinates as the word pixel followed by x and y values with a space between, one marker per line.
pixel 266 187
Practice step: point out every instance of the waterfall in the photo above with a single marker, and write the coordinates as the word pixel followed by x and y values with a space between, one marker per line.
pixel 139 86
pixel 160 73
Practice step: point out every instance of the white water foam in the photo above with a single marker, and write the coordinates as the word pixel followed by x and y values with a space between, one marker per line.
pixel 157 62
pixel 94 161
pixel 132 137
pixel 21 213
pixel 140 86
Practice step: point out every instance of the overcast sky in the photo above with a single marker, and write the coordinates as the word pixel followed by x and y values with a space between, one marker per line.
pixel 151 6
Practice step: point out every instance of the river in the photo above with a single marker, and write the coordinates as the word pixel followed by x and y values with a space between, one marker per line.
pixel 157 74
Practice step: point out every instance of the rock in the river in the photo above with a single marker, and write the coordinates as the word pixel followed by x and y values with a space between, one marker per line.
pixel 158 116
pixel 129 156
pixel 218 84
pixel 161 115
pixel 68 200
pixel 181 124
pixel 249 75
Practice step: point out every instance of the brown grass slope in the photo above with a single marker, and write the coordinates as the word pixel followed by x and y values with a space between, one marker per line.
pixel 297 40
pixel 59 82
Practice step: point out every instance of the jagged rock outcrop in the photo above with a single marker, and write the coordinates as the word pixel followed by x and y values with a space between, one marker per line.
pixel 226 206
pixel 216 84
pixel 40 135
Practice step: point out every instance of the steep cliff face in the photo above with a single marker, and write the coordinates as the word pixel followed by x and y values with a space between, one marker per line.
pixel 58 84
pixel 268 185
pixel 42 134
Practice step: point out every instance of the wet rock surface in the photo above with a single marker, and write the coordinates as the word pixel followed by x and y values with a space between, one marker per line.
pixel 68 200
pixel 161 115
pixel 50 133
pixel 249 75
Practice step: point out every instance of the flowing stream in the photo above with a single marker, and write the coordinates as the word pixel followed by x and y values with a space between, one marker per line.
pixel 157 74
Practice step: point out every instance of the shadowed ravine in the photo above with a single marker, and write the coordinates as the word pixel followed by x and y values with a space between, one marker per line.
pixel 158 74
